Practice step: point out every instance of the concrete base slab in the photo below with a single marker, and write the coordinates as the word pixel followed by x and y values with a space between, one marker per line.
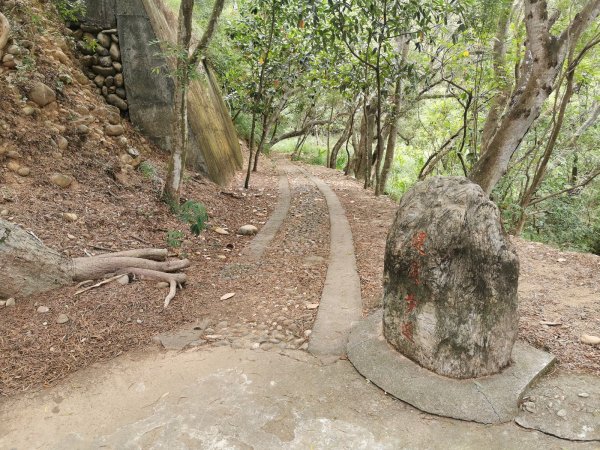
pixel 491 399
pixel 564 405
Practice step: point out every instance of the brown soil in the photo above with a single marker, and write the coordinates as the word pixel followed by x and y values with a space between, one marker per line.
pixel 558 287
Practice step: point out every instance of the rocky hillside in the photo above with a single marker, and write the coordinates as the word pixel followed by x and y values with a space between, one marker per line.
pixel 75 174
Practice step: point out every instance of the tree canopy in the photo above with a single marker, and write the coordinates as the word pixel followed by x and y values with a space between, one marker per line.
pixel 503 92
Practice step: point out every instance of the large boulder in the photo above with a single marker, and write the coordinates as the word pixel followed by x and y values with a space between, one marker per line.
pixel 450 280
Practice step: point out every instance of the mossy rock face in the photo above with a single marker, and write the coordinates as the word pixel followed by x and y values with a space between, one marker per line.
pixel 450 280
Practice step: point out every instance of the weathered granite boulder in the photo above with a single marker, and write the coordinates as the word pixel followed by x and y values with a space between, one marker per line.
pixel 450 280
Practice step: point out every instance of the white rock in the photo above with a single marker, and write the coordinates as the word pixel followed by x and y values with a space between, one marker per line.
pixel 228 296
pixel 220 230
pixel 248 230
pixel 62 318
pixel 123 280
pixel 591 340
pixel 10 302
pixel 41 94
pixel 62 142
pixel 71 217
pixel 43 309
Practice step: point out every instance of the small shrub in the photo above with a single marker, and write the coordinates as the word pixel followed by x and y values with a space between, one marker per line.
pixel 70 10
pixel 91 44
pixel 147 170
pixel 175 238
pixel 195 215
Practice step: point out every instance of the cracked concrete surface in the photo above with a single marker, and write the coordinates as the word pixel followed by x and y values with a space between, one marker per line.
pixel 227 398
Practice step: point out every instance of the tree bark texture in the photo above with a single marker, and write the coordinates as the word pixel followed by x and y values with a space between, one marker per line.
pixel 180 114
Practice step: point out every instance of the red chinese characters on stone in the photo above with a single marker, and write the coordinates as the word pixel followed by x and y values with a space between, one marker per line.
pixel 413 272
pixel 407 331
pixel 412 303
pixel 418 242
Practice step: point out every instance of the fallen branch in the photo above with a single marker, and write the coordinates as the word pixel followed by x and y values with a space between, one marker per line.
pixel 101 283
pixel 232 194
pixel 139 239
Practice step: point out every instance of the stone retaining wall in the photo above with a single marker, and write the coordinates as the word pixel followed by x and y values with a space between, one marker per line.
pixel 148 96
pixel 102 63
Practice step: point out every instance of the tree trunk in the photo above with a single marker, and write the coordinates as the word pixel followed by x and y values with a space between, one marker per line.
pixel 4 32
pixel 332 161
pixel 392 138
pixel 28 267
pixel 261 84
pixel 543 163
pixel 365 143
pixel 545 55
pixel 329 135
pixel 176 166
pixel 499 100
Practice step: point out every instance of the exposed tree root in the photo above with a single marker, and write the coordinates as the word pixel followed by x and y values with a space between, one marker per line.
pixel 28 267
pixel 98 266
pixel 155 254
pixel 172 278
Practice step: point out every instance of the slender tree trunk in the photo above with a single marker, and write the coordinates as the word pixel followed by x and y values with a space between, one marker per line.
pixel 540 172
pixel 185 65
pixel 329 135
pixel 543 164
pixel 332 162
pixel 179 132
pixel 392 137
pixel 261 143
pixel 261 85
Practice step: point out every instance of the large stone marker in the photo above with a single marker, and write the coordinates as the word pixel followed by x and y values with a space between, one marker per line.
pixel 450 280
